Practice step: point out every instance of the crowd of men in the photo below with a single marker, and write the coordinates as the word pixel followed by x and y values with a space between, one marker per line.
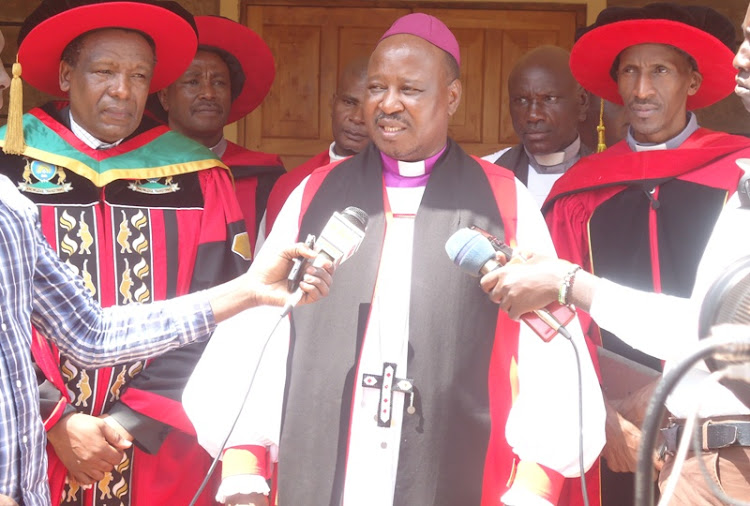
pixel 125 192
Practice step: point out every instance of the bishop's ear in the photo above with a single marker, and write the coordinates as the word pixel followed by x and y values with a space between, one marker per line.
pixel 454 96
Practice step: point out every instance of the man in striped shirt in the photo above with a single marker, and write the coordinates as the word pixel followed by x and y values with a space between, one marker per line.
pixel 37 288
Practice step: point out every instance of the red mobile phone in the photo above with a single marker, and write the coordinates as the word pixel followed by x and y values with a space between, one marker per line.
pixel 560 314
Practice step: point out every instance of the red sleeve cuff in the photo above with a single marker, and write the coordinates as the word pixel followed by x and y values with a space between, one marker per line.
pixel 539 480
pixel 246 459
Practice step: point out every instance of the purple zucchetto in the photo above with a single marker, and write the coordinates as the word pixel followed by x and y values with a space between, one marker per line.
pixel 428 28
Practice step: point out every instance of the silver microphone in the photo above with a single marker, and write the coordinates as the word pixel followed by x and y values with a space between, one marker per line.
pixel 338 241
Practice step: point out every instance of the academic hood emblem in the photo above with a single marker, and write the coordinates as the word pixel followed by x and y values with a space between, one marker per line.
pixel 153 186
pixel 38 176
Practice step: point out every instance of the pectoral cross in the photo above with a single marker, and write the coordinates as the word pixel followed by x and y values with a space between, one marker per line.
pixel 389 383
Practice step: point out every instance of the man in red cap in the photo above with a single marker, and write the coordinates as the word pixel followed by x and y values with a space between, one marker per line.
pixel 141 213
pixel 349 136
pixel 668 327
pixel 410 387
pixel 641 212
pixel 229 77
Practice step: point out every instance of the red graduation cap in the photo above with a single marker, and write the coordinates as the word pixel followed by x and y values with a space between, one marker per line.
pixel 251 62
pixel 55 23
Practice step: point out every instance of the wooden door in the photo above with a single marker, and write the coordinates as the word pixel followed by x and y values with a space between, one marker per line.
pixel 312 43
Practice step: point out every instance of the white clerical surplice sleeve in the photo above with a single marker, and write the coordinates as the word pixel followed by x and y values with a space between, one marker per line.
pixel 218 388
pixel 543 424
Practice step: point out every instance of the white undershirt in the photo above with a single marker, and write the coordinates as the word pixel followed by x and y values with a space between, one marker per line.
pixel 387 338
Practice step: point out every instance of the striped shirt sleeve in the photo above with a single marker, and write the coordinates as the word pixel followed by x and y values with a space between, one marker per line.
pixel 96 337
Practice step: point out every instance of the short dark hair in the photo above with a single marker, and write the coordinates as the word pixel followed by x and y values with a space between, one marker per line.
pixel 236 74
pixel 72 51
pixel 690 60
pixel 454 72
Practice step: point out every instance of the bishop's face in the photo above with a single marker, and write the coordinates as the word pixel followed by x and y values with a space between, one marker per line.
pixel 410 98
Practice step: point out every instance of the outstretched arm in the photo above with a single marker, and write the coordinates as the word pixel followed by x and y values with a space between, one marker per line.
pixel 65 312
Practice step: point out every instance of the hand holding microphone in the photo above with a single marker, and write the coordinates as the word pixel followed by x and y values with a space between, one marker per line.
pixel 503 278
pixel 339 240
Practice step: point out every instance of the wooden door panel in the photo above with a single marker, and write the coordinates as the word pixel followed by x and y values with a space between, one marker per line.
pixel 311 45
pixel 293 110
pixel 466 123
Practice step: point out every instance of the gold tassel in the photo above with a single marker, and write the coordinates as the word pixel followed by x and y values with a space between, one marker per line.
pixel 602 145
pixel 14 141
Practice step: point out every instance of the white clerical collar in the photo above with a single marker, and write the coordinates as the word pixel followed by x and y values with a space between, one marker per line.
pixel 551 159
pixel 87 138
pixel 412 169
pixel 673 143
pixel 220 148
pixel 335 157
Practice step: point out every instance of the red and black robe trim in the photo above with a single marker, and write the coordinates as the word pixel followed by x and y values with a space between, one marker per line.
pixel 254 174
pixel 650 214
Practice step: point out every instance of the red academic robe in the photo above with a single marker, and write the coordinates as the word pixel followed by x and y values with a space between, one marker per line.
pixel 150 219
pixel 643 219
pixel 288 182
pixel 254 175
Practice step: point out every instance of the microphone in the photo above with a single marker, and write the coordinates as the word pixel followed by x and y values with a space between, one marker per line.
pixel 470 250
pixel 338 241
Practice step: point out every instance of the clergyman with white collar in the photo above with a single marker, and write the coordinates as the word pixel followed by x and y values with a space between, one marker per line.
pixel 547 107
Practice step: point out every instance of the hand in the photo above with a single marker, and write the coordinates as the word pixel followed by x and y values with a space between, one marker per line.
pixel 265 282
pixel 7 501
pixel 87 446
pixel 623 438
pixel 268 276
pixel 117 427
pixel 247 500
pixel 631 411
pixel 522 286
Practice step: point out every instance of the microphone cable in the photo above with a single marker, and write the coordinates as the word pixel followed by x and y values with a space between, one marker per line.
pixel 215 461
pixel 584 492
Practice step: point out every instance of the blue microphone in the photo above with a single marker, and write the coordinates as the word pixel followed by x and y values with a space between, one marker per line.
pixel 476 256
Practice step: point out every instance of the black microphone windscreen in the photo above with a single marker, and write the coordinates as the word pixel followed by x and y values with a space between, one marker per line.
pixel 356 216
